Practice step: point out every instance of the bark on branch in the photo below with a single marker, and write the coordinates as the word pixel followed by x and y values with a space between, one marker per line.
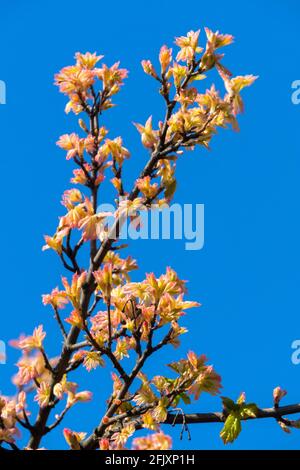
pixel 218 417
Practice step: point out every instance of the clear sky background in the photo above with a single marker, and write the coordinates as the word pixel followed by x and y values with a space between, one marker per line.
pixel 247 276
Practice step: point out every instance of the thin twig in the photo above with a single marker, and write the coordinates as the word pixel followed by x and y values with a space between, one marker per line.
pixel 60 323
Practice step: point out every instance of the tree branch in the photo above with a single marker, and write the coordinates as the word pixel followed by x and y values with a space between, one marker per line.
pixel 218 417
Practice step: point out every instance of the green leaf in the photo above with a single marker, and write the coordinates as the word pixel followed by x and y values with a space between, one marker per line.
pixel 228 404
pixel 185 398
pixel 199 76
pixel 231 429
pixel 176 400
pixel 249 409
pixel 170 190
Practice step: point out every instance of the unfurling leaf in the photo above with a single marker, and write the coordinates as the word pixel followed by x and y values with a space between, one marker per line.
pixel 231 429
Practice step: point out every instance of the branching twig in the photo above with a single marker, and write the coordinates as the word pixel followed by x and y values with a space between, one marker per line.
pixel 60 323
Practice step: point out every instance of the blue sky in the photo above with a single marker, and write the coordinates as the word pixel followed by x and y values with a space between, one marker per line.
pixel 247 275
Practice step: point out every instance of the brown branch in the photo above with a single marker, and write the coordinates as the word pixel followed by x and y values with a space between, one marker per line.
pixel 60 323
pixel 66 265
pixel 109 324
pixel 218 417
pixel 46 360
pixel 195 418
pixel 58 420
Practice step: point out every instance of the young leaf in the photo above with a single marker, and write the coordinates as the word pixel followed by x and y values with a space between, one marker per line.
pixel 231 429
